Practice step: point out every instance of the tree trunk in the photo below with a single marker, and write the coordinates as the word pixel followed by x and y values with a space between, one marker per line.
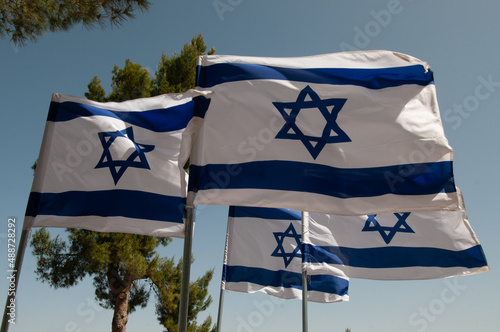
pixel 120 316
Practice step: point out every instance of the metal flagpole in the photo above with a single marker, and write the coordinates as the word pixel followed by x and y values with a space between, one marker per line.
pixel 219 315
pixel 186 270
pixel 223 286
pixel 15 273
pixel 305 221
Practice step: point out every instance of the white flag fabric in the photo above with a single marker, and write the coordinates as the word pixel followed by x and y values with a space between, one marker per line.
pixel 398 246
pixel 263 254
pixel 347 133
pixel 112 167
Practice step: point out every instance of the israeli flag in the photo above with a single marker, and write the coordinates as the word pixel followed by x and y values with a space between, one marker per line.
pixel 348 133
pixel 112 167
pixel 395 246
pixel 263 254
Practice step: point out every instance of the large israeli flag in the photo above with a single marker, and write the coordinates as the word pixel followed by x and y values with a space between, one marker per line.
pixel 263 254
pixel 396 246
pixel 348 133
pixel 112 167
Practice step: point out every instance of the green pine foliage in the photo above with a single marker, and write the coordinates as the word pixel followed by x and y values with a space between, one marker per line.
pixel 130 82
pixel 27 20
pixel 175 74
pixel 126 268
pixel 106 257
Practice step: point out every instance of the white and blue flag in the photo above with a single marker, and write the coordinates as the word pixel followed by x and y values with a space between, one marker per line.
pixel 348 133
pixel 263 254
pixel 395 246
pixel 112 167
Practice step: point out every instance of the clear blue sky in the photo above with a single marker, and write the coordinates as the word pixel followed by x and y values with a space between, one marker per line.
pixel 460 41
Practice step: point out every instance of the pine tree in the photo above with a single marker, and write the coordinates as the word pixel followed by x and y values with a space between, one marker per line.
pixel 126 268
pixel 26 20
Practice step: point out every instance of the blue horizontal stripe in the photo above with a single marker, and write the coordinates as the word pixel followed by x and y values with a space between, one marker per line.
pixel 321 283
pixel 200 106
pixel 158 120
pixel 423 179
pixel 395 257
pixel 107 203
pixel 377 78
pixel 263 213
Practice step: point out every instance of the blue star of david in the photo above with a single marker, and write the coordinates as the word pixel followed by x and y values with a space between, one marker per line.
pixel 280 251
pixel 118 167
pixel 388 233
pixel 329 108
